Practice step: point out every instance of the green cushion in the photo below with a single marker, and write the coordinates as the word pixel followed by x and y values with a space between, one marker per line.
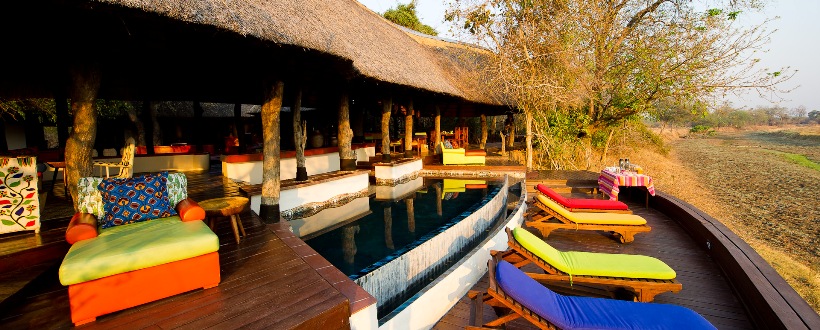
pixel 593 218
pixel 136 246
pixel 540 248
pixel 595 264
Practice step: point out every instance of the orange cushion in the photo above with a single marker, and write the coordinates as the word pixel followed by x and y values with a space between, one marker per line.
pixel 82 226
pixel 189 210
pixel 475 153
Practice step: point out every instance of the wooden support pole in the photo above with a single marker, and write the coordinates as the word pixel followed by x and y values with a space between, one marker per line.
pixel 483 142
pixel 346 157
pixel 408 131
pixel 269 208
pixel 387 106
pixel 63 118
pixel 84 87
pixel 299 136
pixel 437 128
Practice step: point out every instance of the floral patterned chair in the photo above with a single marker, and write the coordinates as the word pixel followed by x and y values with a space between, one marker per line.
pixel 19 198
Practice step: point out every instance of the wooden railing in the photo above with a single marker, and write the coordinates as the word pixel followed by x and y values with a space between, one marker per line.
pixel 770 302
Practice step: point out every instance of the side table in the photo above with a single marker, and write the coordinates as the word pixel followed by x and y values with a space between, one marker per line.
pixel 225 207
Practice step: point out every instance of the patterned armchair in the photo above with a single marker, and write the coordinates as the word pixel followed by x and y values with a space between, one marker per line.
pixel 19 197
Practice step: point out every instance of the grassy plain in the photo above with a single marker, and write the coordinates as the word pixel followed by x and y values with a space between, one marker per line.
pixel 762 183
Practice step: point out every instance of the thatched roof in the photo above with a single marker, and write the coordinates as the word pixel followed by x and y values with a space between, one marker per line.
pixel 377 48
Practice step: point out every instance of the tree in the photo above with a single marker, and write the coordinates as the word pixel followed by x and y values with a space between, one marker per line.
pixel 670 113
pixel 595 63
pixel 405 15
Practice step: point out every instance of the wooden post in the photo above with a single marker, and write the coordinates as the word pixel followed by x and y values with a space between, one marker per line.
pixel 437 128
pixel 408 131
pixel 347 158
pixel 482 144
pixel 411 215
pixel 63 118
pixel 529 140
pixel 84 87
pixel 387 105
pixel 299 136
pixel 269 209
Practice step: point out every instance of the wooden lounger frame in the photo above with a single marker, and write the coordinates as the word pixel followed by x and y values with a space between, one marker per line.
pixel 643 289
pixel 507 309
pixel 541 221
pixel 572 209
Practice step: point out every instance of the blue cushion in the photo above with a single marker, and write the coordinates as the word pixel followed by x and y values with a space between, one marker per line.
pixel 135 199
pixel 568 312
pixel 448 144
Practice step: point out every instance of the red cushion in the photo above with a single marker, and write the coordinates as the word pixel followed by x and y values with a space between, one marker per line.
pixel 581 203
pixel 475 153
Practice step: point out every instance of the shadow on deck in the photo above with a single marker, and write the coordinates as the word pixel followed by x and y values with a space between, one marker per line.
pixel 705 288
pixel 268 280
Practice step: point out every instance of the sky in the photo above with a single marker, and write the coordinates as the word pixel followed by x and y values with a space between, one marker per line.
pixel 795 44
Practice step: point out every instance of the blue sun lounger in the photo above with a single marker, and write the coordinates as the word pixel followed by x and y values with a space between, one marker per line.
pixel 512 290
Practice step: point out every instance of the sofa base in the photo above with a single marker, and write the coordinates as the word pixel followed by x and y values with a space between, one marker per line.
pixel 91 299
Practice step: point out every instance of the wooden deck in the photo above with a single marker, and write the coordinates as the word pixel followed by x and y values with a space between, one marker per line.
pixel 705 289
pixel 268 281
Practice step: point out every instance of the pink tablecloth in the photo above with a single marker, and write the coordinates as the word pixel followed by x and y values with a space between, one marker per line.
pixel 610 182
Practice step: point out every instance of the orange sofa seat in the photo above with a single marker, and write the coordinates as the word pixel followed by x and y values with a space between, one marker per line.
pixel 117 292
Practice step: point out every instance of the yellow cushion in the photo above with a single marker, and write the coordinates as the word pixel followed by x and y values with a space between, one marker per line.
pixel 593 218
pixel 136 246
pixel 595 264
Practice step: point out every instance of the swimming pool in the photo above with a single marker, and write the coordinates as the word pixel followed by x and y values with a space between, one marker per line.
pixel 389 227
pixel 371 244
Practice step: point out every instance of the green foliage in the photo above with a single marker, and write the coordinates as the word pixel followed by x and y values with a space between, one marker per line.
pixel 405 15
pixel 702 129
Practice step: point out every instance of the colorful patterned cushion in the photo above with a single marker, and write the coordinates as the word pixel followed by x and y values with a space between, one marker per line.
pixel 177 188
pixel 19 198
pixel 448 144
pixel 135 199
pixel 89 197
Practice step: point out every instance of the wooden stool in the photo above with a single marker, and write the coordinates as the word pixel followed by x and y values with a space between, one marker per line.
pixel 225 207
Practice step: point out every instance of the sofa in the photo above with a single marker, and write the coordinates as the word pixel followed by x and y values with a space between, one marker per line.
pixel 132 263
pixel 460 156
pixel 19 196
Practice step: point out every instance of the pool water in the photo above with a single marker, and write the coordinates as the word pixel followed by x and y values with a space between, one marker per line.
pixel 390 227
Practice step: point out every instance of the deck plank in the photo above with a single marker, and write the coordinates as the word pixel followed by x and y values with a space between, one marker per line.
pixel 705 288
pixel 257 277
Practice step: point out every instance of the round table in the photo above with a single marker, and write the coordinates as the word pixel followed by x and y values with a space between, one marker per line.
pixel 229 207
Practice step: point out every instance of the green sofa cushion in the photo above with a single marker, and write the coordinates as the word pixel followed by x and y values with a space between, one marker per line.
pixel 136 246
pixel 595 264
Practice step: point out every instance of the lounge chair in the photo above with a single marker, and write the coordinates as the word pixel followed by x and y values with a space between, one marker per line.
pixel 515 295
pixel 583 204
pixel 625 226
pixel 643 276
pixel 460 156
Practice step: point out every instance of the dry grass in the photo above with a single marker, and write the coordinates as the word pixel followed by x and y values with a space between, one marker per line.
pixel 743 179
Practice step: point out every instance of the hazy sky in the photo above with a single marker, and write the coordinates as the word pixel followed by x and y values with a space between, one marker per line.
pixel 795 44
